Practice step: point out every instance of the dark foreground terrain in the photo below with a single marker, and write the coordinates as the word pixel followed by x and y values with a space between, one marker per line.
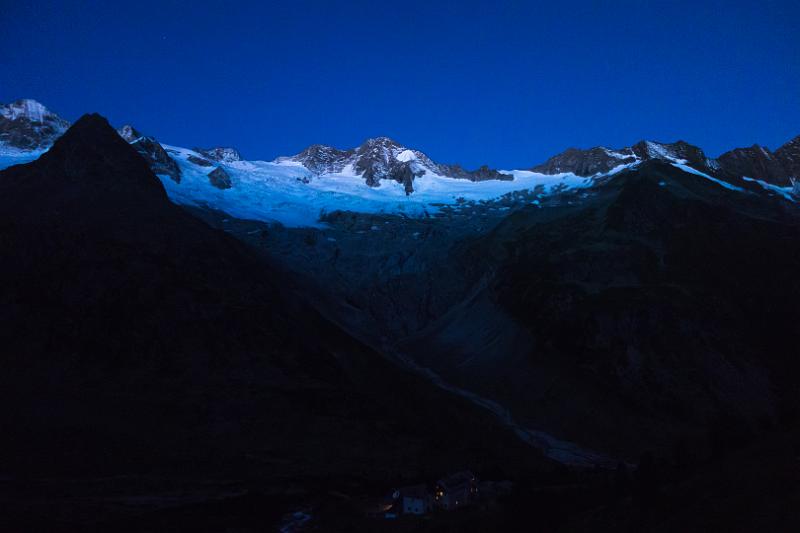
pixel 161 374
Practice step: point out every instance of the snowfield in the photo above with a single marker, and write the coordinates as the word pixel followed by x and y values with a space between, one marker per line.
pixel 286 192
pixel 13 156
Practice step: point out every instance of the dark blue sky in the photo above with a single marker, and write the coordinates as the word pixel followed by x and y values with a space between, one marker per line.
pixel 504 83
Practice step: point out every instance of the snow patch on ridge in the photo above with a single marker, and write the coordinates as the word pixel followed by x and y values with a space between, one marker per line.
pixel 690 170
pixel 659 151
pixel 786 192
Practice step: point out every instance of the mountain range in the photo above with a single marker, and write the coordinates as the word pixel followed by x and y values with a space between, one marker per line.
pixel 29 125
pixel 342 321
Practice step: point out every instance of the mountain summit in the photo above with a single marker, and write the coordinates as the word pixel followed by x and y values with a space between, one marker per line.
pixel 28 125
pixel 382 158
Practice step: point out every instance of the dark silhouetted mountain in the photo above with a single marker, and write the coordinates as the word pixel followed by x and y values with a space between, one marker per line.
pixel 136 337
pixel 601 160
pixel 655 305
pixel 755 162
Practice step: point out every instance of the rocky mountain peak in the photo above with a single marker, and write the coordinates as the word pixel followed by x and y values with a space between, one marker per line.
pixel 600 160
pixel 381 158
pixel 321 159
pixel 129 133
pixel 756 162
pixel 378 143
pixel 28 125
pixel 28 109
pixel 90 151
pixel 223 154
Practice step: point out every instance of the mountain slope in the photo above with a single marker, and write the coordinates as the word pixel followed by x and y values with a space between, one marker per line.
pixel 657 309
pixel 136 337
pixel 780 168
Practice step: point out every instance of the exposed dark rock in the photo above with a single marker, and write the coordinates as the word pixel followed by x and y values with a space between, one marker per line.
pixel 219 178
pixel 377 159
pixel 200 161
pixel 789 156
pixel 28 125
pixel 482 173
pixel 223 154
pixel 129 133
pixel 383 158
pixel 756 162
pixel 321 159
pixel 585 162
pixel 159 160
pixel 600 160
pixel 680 150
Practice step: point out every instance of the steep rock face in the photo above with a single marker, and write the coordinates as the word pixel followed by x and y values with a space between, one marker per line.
pixel 200 161
pixel 148 147
pixel 28 125
pixel 223 154
pixel 129 133
pixel 321 159
pixel 219 178
pixel 158 158
pixel 586 162
pixel 135 336
pixel 482 173
pixel 789 156
pixel 382 158
pixel 756 162
pixel 671 152
pixel 600 160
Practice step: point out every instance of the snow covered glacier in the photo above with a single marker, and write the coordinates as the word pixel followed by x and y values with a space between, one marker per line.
pixel 286 191
pixel 379 176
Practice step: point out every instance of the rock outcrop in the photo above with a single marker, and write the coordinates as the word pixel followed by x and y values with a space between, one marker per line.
pixel 159 160
pixel 222 154
pixel 219 178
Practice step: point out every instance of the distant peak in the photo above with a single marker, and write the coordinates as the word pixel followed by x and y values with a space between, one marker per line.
pixel 223 154
pixel 380 141
pixel 25 108
pixel 129 133
pixel 32 111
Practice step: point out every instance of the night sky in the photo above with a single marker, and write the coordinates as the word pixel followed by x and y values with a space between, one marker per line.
pixel 503 83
